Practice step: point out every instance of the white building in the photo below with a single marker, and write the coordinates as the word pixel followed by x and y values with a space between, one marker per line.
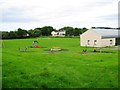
pixel 58 33
pixel 99 37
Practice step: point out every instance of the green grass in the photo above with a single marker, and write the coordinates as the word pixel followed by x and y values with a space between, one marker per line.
pixel 66 69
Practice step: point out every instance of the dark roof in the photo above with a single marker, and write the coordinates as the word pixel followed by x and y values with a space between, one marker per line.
pixel 108 33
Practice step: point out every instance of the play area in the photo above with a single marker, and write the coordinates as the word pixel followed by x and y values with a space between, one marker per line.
pixel 58 63
pixel 26 48
pixel 57 49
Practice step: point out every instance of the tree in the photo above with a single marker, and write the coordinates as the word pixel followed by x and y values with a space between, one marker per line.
pixel 5 35
pixel 0 34
pixel 31 32
pixel 12 34
pixel 77 31
pixel 21 33
pixel 84 29
pixel 69 30
pixel 36 32
pixel 46 31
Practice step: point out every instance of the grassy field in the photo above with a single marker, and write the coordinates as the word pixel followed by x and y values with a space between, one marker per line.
pixel 39 68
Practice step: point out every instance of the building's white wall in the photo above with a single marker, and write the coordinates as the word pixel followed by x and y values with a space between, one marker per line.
pixel 60 33
pixel 90 35
pixel 54 33
pixel 107 42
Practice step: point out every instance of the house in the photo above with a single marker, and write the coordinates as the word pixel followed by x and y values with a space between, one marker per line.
pixel 99 37
pixel 58 33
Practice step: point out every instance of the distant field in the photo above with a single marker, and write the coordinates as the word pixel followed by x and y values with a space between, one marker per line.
pixel 39 68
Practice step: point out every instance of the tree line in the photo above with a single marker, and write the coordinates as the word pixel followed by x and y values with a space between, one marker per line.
pixel 44 31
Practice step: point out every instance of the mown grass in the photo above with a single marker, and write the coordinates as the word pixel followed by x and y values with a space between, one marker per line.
pixel 37 68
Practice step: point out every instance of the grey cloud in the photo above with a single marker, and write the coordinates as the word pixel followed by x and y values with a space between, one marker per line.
pixel 16 15
pixel 110 17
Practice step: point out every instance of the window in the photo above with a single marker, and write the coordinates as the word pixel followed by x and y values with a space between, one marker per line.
pixel 95 42
pixel 111 41
pixel 88 42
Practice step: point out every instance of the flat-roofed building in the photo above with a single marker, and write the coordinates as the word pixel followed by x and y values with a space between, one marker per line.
pixel 99 37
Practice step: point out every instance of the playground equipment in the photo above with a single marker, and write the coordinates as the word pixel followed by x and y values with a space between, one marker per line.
pixel 35 44
pixel 55 49
pixel 94 49
pixel 22 50
pixel 25 49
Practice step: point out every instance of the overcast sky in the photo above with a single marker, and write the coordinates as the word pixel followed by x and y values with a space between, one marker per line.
pixel 29 14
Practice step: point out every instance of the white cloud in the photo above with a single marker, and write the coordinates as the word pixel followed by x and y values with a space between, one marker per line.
pixel 57 13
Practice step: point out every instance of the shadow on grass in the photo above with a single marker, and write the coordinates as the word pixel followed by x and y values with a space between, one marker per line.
pixel 26 51
pixel 97 52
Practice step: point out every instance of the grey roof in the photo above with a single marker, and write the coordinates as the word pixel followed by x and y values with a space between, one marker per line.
pixel 108 33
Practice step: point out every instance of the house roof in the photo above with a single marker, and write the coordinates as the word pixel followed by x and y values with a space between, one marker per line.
pixel 107 33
